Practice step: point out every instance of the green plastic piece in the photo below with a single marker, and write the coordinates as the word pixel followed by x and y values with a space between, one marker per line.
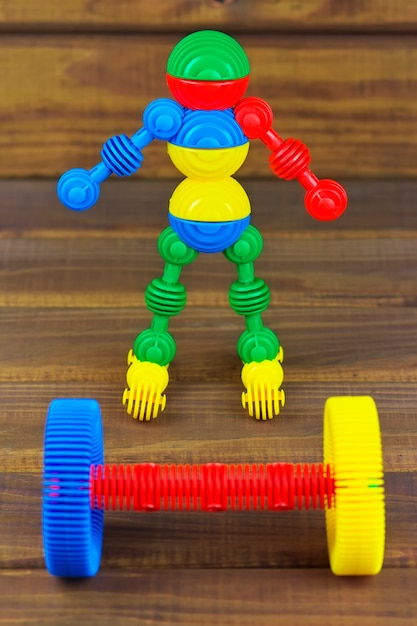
pixel 258 346
pixel 163 298
pixel 249 298
pixel 208 55
pixel 173 250
pixel 156 346
pixel 247 248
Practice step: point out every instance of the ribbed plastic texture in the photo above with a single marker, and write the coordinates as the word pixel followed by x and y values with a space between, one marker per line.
pixel 290 159
pixel 72 532
pixel 257 346
pixel 356 524
pixel 211 487
pixel 158 347
pixel 143 395
pixel 249 298
pixel 209 129
pixel 325 200
pixel 165 298
pixel 209 237
pixel 263 380
pixel 163 118
pixel 208 55
pixel 207 95
pixel 76 189
pixel 121 156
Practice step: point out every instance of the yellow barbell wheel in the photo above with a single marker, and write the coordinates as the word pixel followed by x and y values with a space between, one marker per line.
pixel 356 520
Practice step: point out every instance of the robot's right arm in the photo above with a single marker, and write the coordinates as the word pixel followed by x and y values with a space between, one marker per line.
pixel 79 189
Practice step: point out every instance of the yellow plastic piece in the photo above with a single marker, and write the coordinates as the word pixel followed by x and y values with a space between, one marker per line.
pixel 146 381
pixel 262 381
pixel 131 357
pixel 356 521
pixel 204 163
pixel 221 200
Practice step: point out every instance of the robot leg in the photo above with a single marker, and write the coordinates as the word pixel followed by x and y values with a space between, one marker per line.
pixel 154 348
pixel 258 346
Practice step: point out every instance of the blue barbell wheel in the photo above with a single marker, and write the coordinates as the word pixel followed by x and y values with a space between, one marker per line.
pixel 77 190
pixel 72 530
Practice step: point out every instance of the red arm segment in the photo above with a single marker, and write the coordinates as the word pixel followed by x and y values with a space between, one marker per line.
pixel 289 159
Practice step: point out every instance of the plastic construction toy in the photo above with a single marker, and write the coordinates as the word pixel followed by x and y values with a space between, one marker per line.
pixel 207 129
pixel 78 487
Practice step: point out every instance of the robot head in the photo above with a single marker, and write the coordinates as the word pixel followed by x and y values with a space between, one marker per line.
pixel 208 70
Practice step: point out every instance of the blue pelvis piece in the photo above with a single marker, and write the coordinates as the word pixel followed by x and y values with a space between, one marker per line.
pixel 209 129
pixel 208 237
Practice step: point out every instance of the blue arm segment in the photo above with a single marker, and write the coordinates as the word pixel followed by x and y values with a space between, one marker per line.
pixel 79 189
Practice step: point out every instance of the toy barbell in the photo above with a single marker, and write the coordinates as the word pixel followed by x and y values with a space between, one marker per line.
pixel 78 487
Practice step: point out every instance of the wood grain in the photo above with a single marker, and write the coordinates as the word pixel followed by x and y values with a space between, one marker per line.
pixel 211 597
pixel 140 15
pixel 344 305
pixel 352 99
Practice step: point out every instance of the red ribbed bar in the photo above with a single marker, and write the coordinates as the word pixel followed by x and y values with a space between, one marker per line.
pixel 211 487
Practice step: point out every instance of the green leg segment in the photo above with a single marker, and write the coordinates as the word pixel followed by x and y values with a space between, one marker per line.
pixel 153 350
pixel 258 346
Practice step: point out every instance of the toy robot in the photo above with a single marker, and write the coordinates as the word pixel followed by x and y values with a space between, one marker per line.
pixel 207 129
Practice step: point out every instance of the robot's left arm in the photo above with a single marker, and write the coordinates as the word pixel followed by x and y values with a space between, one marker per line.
pixel 79 189
pixel 289 159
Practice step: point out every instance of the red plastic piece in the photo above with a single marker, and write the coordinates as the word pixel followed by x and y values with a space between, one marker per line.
pixel 207 95
pixel 211 487
pixel 325 199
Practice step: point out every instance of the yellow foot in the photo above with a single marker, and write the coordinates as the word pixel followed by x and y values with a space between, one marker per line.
pixel 143 396
pixel 262 381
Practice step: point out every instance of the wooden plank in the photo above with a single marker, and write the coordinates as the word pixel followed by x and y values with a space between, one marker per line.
pixel 196 427
pixel 351 99
pixel 140 15
pixel 226 597
pixel 133 209
pixel 299 273
pixel 357 348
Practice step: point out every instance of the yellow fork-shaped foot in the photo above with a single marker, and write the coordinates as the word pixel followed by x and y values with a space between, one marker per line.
pixel 143 396
pixel 263 381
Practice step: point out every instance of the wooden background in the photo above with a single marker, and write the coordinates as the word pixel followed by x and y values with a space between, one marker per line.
pixel 339 74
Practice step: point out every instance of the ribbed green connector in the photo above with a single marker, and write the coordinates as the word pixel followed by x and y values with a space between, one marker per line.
pixel 208 55
pixel 249 298
pixel 164 298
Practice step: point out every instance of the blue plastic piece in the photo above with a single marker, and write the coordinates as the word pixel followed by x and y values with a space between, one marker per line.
pixel 77 190
pixel 121 156
pixel 72 530
pixel 163 118
pixel 209 129
pixel 209 237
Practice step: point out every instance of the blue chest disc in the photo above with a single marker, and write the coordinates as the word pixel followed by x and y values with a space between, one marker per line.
pixel 209 129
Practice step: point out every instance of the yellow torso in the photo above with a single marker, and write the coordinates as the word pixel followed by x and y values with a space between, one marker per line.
pixel 209 193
